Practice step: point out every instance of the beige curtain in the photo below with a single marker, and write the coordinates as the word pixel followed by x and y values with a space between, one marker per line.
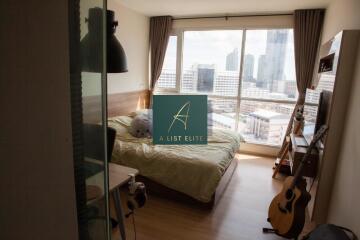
pixel 307 28
pixel 160 28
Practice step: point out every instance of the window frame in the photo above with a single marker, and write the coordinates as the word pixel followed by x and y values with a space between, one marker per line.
pixel 178 65
pixel 179 28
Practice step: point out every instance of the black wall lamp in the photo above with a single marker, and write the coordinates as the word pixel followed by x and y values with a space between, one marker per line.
pixel 91 44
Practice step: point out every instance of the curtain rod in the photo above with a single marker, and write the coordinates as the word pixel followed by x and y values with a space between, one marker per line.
pixel 233 16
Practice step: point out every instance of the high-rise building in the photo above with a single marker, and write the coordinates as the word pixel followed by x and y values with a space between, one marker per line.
pixel 275 56
pixel 205 78
pixel 261 72
pixel 232 61
pixel 287 87
pixel 248 68
pixel 188 81
pixel 167 79
pixel 267 126
pixel 226 83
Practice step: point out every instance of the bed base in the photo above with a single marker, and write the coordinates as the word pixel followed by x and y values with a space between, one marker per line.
pixel 157 189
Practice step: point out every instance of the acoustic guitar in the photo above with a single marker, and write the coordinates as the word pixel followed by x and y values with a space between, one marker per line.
pixel 287 209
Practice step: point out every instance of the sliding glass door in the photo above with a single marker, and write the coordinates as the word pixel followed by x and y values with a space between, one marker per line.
pixel 89 117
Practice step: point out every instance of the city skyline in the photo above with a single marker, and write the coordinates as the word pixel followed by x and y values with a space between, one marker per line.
pixel 273 61
pixel 212 47
pixel 224 110
pixel 265 76
pixel 203 47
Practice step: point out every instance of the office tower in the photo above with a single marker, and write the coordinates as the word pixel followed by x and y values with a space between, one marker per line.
pixel 275 56
pixel 205 81
pixel 226 83
pixel 232 60
pixel 248 68
pixel 188 80
pixel 261 71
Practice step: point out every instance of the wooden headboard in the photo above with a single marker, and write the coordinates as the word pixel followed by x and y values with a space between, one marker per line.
pixel 125 103
pixel 118 104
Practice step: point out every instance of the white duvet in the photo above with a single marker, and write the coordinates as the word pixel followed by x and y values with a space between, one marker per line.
pixel 191 169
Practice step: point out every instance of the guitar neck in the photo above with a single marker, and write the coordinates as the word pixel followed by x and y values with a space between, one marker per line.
pixel 297 175
pixel 317 137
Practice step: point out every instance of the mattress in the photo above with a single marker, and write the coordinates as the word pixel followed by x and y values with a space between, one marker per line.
pixel 195 170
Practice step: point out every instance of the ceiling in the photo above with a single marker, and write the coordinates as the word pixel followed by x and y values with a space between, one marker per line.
pixel 186 8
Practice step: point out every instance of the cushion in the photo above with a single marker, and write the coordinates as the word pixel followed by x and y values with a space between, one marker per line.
pixel 121 124
pixel 141 126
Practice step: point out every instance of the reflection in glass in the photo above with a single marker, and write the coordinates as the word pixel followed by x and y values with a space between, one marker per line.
pixel 93 81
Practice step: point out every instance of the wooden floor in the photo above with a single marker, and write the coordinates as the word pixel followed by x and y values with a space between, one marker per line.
pixel 240 214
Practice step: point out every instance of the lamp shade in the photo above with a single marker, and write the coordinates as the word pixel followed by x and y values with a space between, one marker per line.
pixel 91 44
pixel 116 57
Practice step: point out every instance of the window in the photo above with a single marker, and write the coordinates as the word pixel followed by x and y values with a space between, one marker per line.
pixel 222 113
pixel 212 63
pixel 269 65
pixel 264 122
pixel 167 79
pixel 268 85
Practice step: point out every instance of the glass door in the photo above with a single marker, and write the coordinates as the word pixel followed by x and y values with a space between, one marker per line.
pixel 93 76
pixel 89 116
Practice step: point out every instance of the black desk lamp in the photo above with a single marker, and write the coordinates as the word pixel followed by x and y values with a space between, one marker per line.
pixel 91 44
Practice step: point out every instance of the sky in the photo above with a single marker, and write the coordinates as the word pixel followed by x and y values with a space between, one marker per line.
pixel 212 47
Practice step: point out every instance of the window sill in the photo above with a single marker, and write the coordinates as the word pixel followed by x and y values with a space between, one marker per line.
pixel 259 149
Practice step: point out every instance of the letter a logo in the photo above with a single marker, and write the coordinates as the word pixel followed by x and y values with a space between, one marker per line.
pixel 181 116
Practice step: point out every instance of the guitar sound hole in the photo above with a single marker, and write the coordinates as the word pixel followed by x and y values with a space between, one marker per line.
pixel 289 194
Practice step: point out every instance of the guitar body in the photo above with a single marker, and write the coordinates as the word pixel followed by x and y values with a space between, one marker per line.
pixel 287 209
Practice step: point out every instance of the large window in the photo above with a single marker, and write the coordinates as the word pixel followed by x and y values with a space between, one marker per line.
pixel 264 122
pixel 268 88
pixel 211 62
pixel 248 75
pixel 269 67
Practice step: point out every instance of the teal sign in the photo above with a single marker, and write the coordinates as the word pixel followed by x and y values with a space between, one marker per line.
pixel 180 119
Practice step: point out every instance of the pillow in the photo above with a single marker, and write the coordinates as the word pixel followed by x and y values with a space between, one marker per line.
pixel 121 124
pixel 120 129
pixel 141 126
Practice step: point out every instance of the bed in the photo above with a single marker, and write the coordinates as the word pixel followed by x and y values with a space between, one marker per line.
pixel 192 173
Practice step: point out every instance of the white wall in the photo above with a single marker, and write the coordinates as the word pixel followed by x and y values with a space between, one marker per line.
pixel 344 14
pixel 133 34
pixel 341 14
